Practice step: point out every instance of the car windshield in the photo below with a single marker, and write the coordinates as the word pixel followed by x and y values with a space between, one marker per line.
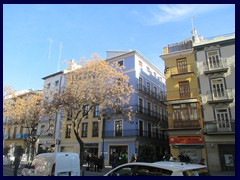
pixel 197 172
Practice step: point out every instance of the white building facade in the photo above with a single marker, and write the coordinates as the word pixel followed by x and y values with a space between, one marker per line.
pixel 215 60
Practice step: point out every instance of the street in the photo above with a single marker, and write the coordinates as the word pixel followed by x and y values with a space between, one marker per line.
pixel 8 171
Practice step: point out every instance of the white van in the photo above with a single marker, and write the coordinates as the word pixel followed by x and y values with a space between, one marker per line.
pixel 54 164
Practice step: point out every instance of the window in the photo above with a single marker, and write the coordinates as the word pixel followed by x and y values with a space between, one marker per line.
pixel 15 132
pixel 69 115
pixel 184 90
pixel 84 129
pixel 155 74
pixel 223 120
pixel 118 128
pixel 68 131
pixel 149 130
pixel 185 112
pixel 42 128
pixel 155 91
pixel 123 171
pixel 95 129
pixel 213 59
pixel 96 111
pixel 218 88
pixel 149 108
pixel 148 87
pixel 148 69
pixel 182 65
pixel 85 110
pixel 48 85
pixel 155 111
pixel 57 83
pixel 140 64
pixel 140 105
pixel 120 63
pixel 151 171
pixel 140 83
pixel 140 128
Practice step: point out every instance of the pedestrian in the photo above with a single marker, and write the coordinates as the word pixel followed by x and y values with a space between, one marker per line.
pixel 160 157
pixel 187 159
pixel 181 157
pixel 115 160
pixel 166 157
pixel 16 164
pixel 202 161
pixel 134 158
pixel 88 161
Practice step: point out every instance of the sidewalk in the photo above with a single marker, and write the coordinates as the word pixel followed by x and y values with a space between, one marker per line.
pixel 93 173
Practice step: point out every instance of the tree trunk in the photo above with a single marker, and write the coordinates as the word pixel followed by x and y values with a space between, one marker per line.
pixel 81 145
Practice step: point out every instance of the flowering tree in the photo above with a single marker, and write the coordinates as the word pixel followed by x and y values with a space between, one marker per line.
pixel 24 109
pixel 94 83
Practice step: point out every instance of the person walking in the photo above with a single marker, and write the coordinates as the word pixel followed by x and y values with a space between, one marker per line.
pixel 202 161
pixel 134 158
pixel 16 164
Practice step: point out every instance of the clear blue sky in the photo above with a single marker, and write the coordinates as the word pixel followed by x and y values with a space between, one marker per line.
pixel 86 29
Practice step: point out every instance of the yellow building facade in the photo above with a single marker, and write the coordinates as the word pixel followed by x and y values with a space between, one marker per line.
pixel 183 102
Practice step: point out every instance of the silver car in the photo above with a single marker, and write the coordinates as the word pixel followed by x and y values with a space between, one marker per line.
pixel 162 168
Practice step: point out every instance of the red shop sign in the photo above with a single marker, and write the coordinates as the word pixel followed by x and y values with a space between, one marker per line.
pixel 186 140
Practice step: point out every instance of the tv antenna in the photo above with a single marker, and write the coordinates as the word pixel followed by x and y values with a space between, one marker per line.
pixel 60 51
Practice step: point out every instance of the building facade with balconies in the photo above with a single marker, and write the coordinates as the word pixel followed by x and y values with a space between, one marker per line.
pixel 215 59
pixel 183 102
pixel 148 112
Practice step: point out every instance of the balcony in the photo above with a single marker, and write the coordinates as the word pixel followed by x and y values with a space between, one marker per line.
pixel 195 123
pixel 218 66
pixel 144 90
pixel 158 118
pixel 134 133
pixel 182 71
pixel 181 46
pixel 175 97
pixel 211 127
pixel 220 96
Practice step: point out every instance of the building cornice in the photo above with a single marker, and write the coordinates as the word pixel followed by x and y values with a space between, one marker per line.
pixel 177 53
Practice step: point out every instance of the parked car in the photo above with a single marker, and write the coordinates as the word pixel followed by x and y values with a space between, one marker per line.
pixel 161 168
pixel 54 164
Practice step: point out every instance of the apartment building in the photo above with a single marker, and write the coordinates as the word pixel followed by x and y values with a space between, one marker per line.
pixel 149 113
pixel 14 135
pixel 183 102
pixel 215 58
pixel 49 141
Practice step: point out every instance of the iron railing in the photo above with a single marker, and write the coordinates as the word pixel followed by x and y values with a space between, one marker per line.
pixel 220 95
pixel 213 127
pixel 158 96
pixel 134 133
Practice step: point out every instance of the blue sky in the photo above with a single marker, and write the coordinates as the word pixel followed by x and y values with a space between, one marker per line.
pixel 86 29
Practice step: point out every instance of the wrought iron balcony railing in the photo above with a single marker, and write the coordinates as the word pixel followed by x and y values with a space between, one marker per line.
pixel 158 96
pixel 181 70
pixel 220 95
pixel 218 65
pixel 178 95
pixel 194 123
pixel 134 133
pixel 161 119
pixel 213 127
